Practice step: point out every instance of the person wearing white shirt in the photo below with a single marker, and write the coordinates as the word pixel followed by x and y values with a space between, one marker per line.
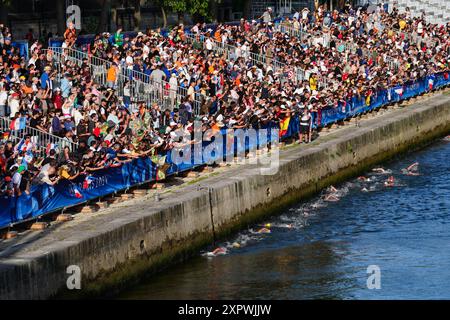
pixel 305 13
pixel 173 83
pixel 14 105
pixel 129 61
pixel 238 51
pixel 77 116
pixel 420 28
pixel 145 51
pixel 208 44
pixel 3 100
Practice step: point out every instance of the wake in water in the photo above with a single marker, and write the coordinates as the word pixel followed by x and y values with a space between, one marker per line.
pixel 297 218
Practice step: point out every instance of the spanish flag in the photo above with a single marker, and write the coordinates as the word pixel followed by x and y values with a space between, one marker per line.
pixel 368 100
pixel 284 125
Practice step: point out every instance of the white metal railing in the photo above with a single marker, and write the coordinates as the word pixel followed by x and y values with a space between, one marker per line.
pixel 142 87
pixel 230 53
pixel 290 30
pixel 40 139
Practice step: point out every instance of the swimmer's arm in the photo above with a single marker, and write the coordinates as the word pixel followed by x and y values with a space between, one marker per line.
pixel 414 165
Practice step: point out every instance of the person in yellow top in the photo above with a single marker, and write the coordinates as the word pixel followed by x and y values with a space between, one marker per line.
pixel 111 76
pixel 402 24
pixel 313 82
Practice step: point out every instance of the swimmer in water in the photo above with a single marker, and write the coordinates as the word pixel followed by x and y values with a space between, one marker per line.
pixel 263 230
pixel 331 198
pixel 362 178
pixel 364 189
pixel 219 251
pixel 412 170
pixel 380 170
pixel 333 189
pixel 236 245
pixel 390 182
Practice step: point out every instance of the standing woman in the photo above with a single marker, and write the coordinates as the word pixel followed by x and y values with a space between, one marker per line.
pixel 305 126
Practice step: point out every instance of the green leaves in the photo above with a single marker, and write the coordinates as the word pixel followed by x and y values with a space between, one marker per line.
pixel 194 7
pixel 5 2
pixel 175 5
pixel 199 7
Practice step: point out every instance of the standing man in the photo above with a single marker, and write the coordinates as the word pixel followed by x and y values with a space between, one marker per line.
pixel 3 100
pixel 45 78
pixel 305 126
pixel 267 16
pixel 111 76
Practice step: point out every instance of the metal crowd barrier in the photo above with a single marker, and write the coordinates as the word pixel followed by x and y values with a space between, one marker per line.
pixel 40 139
pixel 291 31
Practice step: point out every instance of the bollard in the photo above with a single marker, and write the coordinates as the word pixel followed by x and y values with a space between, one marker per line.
pixel 140 192
pixel 126 196
pixel 192 174
pixel 37 226
pixel 207 169
pixel 102 205
pixel 11 234
pixel 64 217
pixel 158 186
pixel 89 209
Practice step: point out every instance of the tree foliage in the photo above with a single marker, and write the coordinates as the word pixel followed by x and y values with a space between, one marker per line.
pixel 193 7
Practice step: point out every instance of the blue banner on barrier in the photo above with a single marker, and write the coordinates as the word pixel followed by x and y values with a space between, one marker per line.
pixel 45 198
pixel 360 105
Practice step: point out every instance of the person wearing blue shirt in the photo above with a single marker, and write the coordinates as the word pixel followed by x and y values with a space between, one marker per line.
pixel 45 78
pixel 166 71
pixel 65 86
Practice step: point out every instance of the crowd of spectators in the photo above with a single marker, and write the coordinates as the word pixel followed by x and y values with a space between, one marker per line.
pixel 339 55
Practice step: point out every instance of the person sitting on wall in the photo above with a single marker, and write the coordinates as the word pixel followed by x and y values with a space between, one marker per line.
pixel 70 35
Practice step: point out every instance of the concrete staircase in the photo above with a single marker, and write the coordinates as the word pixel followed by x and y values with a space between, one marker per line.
pixel 436 11
pixel 259 6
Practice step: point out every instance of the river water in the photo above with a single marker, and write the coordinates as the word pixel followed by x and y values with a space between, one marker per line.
pixel 322 249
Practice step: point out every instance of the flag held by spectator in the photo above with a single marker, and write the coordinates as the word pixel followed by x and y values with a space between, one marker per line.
pixel 161 172
pixel 284 125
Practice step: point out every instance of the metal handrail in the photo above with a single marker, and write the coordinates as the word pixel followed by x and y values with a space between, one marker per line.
pixel 142 87
pixel 255 58
pixel 39 138
pixel 291 31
